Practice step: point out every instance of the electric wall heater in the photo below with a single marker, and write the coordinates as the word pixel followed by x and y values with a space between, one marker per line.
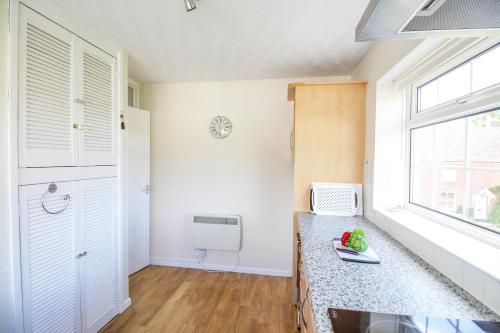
pixel 217 232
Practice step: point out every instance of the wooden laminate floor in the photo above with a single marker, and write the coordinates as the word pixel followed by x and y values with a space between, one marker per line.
pixel 168 299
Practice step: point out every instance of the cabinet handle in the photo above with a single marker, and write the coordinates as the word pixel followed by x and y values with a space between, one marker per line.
pixel 311 200
pixel 80 101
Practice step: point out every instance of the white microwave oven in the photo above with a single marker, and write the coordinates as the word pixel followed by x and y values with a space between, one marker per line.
pixel 338 199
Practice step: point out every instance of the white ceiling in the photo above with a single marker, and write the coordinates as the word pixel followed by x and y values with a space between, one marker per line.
pixel 227 39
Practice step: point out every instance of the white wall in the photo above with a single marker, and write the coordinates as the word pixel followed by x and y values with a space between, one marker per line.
pixel 249 173
pixel 379 60
pixel 5 232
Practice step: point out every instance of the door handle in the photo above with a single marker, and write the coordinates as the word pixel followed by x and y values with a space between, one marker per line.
pixel 79 255
pixel 80 127
pixel 146 189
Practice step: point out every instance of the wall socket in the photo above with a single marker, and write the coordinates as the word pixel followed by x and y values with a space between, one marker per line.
pixel 200 253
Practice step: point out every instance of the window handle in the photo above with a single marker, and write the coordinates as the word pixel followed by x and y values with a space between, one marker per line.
pixel 462 100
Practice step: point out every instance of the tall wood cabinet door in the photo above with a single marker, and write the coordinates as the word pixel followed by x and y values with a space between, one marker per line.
pixel 99 265
pixel 46 92
pixel 99 116
pixel 49 251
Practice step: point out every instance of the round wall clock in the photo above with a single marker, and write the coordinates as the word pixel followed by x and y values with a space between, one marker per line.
pixel 220 127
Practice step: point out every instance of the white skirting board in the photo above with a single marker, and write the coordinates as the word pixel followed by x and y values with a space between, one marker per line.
pixel 126 304
pixel 192 263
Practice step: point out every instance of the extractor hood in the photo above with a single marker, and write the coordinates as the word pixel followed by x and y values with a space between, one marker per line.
pixel 386 19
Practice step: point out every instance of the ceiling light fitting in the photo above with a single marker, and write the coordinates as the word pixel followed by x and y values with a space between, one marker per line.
pixel 190 5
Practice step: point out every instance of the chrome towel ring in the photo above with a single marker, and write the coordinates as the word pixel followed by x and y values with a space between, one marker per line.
pixel 52 189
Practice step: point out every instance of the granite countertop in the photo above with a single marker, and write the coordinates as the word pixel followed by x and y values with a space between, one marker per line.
pixel 402 283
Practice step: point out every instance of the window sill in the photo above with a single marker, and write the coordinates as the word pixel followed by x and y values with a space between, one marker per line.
pixel 465 260
pixel 467 248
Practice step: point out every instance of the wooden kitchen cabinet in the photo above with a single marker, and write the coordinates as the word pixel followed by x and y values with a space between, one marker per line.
pixel 328 135
pixel 327 141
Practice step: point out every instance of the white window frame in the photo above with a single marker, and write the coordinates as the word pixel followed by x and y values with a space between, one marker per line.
pixel 135 86
pixel 477 102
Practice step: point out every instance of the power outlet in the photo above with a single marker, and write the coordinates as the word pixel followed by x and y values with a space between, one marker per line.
pixel 200 253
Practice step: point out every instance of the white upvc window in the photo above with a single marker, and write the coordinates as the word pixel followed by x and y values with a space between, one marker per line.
pixel 133 94
pixel 453 140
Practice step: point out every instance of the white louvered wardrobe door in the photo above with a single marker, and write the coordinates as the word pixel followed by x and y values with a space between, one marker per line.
pixel 46 135
pixel 50 269
pixel 99 273
pixel 98 146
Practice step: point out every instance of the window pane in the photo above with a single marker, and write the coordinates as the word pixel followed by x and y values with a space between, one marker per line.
pixel 131 96
pixel 439 189
pixel 484 186
pixel 422 140
pixel 483 204
pixel 473 75
pixel 428 95
pixel 450 191
pixel 484 137
pixel 486 70
pixel 455 168
pixel 422 185
pixel 442 143
pixel 450 141
pixel 454 84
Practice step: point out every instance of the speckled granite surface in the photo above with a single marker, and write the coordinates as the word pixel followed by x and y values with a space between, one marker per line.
pixel 402 283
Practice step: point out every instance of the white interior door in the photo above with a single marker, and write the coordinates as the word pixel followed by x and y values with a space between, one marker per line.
pixel 49 257
pixel 138 188
pixel 98 260
pixel 99 117
pixel 46 92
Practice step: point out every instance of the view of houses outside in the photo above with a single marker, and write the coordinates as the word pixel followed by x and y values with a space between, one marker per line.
pixel 455 168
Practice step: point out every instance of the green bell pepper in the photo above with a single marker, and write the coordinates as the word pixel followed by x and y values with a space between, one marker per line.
pixel 357 242
pixel 358 232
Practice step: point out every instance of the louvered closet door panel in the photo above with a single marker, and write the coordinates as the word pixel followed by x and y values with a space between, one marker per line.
pixel 99 267
pixel 50 272
pixel 99 116
pixel 46 136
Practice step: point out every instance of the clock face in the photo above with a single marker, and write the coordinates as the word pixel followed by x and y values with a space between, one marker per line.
pixel 221 127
